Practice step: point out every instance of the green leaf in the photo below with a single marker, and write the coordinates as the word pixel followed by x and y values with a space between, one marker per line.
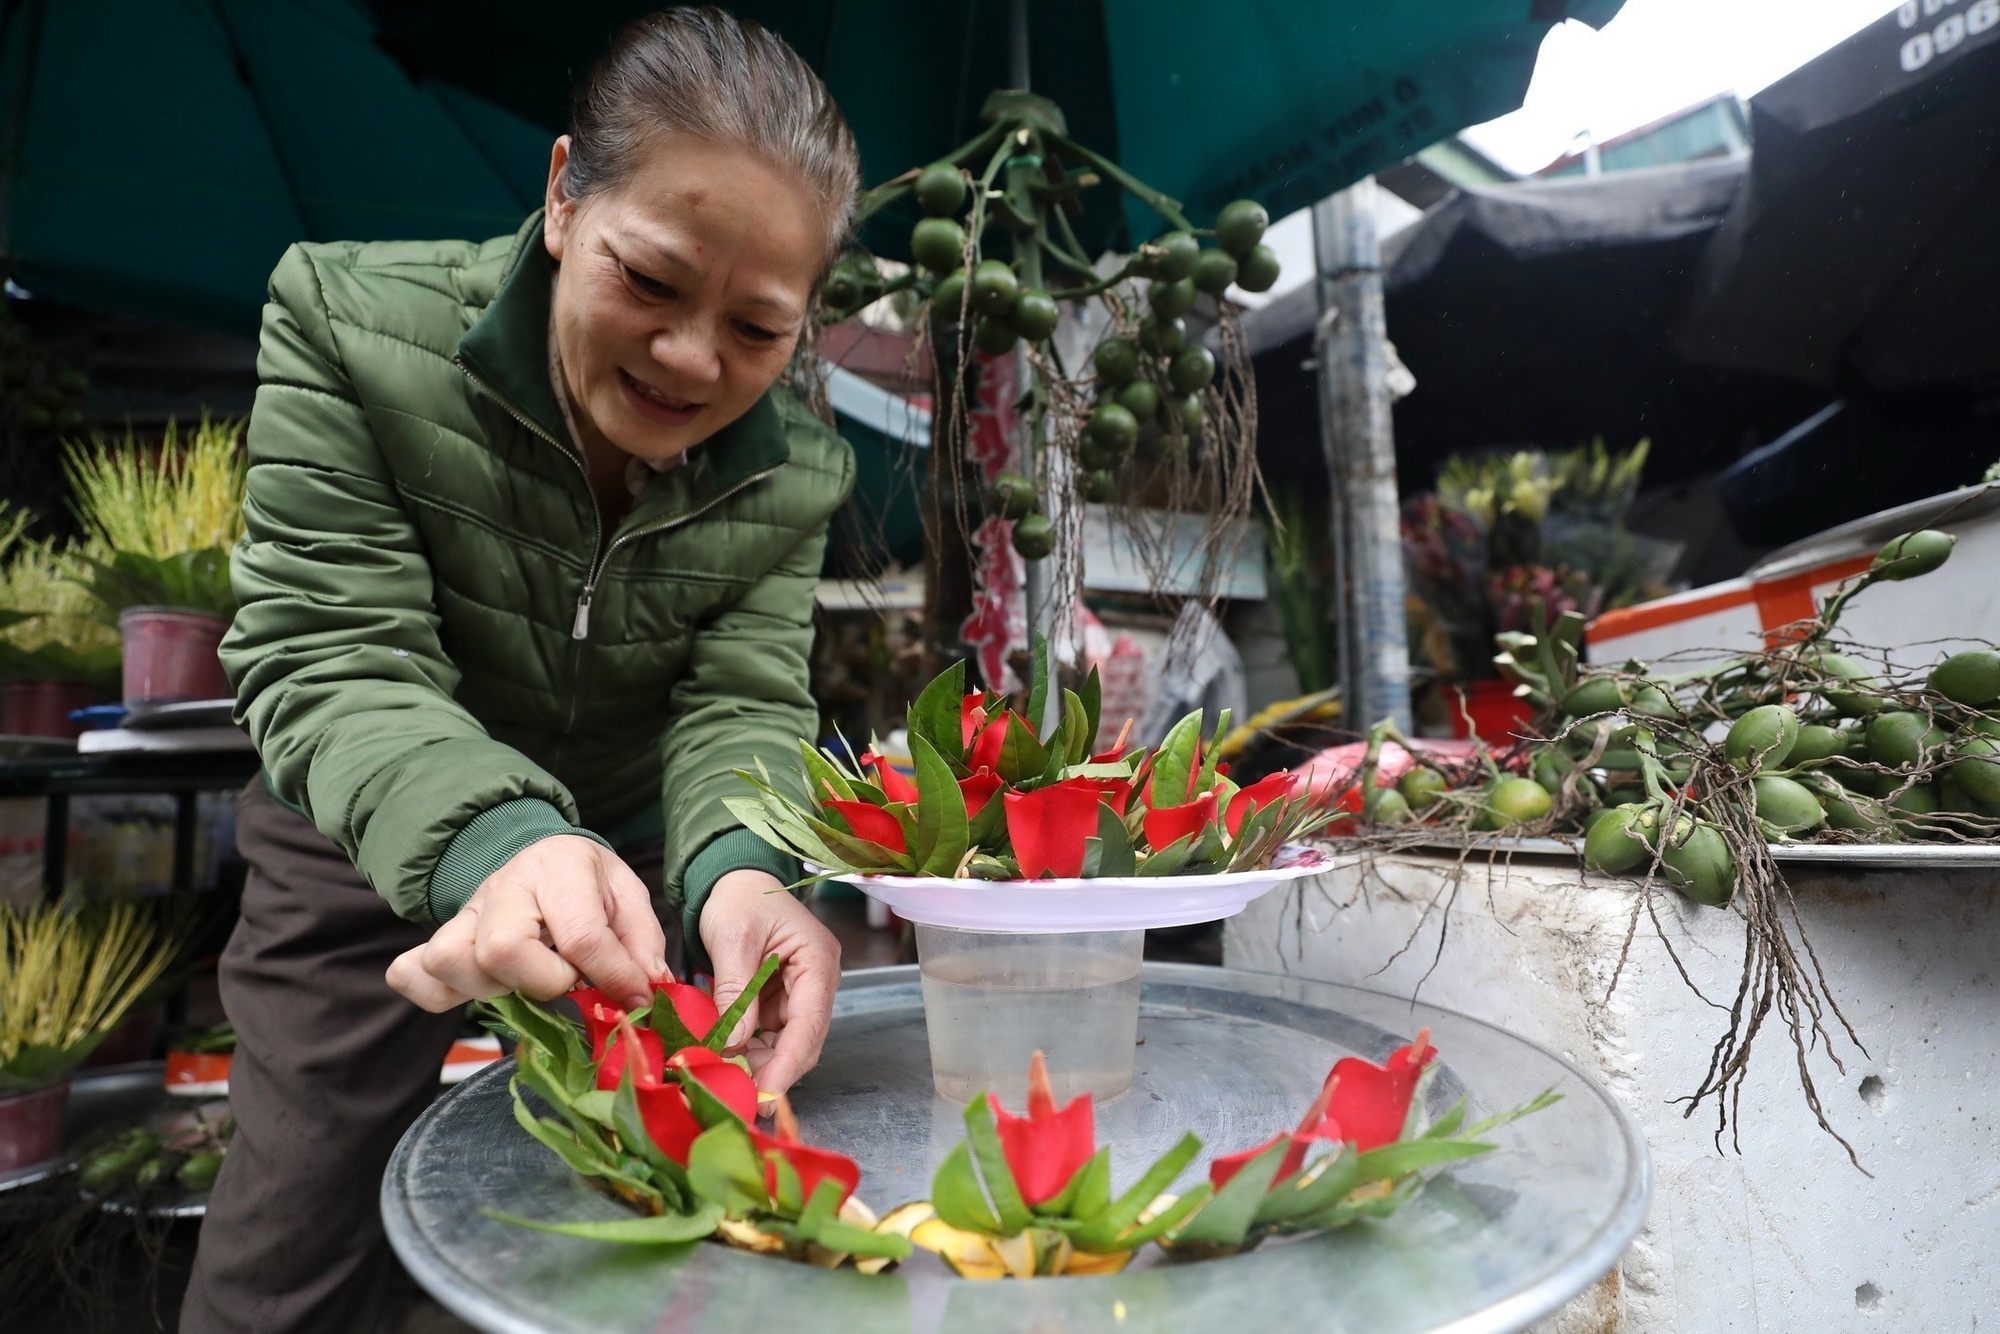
pixel 667 1174
pixel 751 813
pixel 1116 858
pixel 1038 679
pixel 1414 1155
pixel 1097 1169
pixel 723 1168
pixel 990 824
pixel 860 852
pixel 821 775
pixel 1209 851
pixel 1100 1232
pixel 1022 757
pixel 850 1240
pixel 821 1208
pixel 667 1229
pixel 596 1105
pixel 708 1109
pixel 725 1024
pixel 674 1035
pixel 1226 1221
pixel 1548 1097
pixel 1169 1218
pixel 956 1195
pixel 1212 755
pixel 789 1196
pixel 1324 1183
pixel 1168 860
pixel 554 1136
pixel 1092 696
pixel 1173 761
pixel 1447 1125
pixel 936 714
pixel 943 833
pixel 980 1133
pixel 1076 734
pixel 554 1035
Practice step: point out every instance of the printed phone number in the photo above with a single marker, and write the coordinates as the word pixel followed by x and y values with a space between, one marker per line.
pixel 1920 48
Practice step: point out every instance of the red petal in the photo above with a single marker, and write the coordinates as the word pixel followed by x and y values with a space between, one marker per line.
pixel 664 1109
pixel 890 779
pixel 1229 1164
pixel 729 1082
pixel 812 1164
pixel 987 745
pixel 1248 801
pixel 600 1017
pixel 1048 826
pixel 870 822
pixel 979 789
pixel 1371 1102
pixel 695 1007
pixel 1045 1150
pixel 611 1058
pixel 1165 824
pixel 971 716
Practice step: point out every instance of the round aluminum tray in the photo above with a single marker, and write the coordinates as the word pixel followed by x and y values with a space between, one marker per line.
pixel 1494 1245
pixel 1895 856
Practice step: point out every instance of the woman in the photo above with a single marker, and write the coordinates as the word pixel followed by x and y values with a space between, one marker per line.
pixel 532 542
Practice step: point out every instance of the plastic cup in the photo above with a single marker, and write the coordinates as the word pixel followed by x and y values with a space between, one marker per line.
pixel 31 1125
pixel 992 999
pixel 170 655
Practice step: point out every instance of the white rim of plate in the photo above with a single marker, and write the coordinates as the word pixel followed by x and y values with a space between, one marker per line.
pixel 1292 861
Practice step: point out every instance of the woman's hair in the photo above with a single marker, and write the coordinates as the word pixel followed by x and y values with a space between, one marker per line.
pixel 707 73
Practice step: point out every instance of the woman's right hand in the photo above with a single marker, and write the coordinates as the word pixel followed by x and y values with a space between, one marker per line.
pixel 565 909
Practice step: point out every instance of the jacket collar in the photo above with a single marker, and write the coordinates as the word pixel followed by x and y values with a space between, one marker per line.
pixel 507 353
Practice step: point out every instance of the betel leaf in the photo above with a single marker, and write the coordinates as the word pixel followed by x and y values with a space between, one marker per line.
pixel 595 1105
pixel 1322 1185
pixel 1092 697
pixel 936 715
pixel 666 1229
pixel 957 1197
pixel 846 1239
pixel 1168 860
pixel 1226 1221
pixel 1114 857
pixel 1079 1185
pixel 708 1109
pixel 943 833
pixel 822 775
pixel 821 1208
pixel 1102 1231
pixel 1076 732
pixel 555 1137
pixel 987 827
pixel 788 1196
pixel 1001 1189
pixel 725 1024
pixel 674 1034
pixel 1038 679
pixel 1213 755
pixel 1173 762
pixel 723 1168
pixel 667 1174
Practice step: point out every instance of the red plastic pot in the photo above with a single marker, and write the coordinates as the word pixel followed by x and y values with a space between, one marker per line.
pixel 170 655
pixel 42 708
pixel 1495 710
pixel 31 1125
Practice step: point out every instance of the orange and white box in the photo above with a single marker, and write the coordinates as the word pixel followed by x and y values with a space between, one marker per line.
pixel 1915 621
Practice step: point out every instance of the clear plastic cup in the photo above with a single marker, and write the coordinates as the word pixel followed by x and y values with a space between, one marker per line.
pixel 992 999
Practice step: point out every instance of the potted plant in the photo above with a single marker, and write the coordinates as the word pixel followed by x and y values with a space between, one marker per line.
pixel 68 975
pixel 165 522
pixel 55 654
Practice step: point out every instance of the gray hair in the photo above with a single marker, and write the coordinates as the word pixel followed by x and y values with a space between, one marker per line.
pixel 710 74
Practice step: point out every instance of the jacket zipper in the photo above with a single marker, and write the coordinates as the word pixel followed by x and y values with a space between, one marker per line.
pixel 580 626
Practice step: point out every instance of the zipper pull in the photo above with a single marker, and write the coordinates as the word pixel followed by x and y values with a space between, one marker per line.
pixel 581 628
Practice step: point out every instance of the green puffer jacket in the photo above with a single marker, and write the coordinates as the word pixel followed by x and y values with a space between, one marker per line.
pixel 436 664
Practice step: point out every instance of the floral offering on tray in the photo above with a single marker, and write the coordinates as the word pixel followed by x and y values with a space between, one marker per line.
pixel 652 1111
pixel 996 799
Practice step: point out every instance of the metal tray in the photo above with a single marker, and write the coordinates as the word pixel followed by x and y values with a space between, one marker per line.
pixel 1495 1245
pixel 1896 856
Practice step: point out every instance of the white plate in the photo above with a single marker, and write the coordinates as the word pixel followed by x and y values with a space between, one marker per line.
pixel 1107 903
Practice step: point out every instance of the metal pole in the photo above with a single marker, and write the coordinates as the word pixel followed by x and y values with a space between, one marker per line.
pixel 1359 439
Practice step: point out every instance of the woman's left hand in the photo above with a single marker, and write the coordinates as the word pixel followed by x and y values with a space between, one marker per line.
pixel 748 918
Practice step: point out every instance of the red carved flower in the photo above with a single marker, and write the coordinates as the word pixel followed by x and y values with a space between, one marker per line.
pixel 1372 1102
pixel 1313 1127
pixel 1165 824
pixel 979 789
pixel 812 1164
pixel 868 821
pixel 1048 826
pixel 1248 801
pixel 1047 1147
pixel 890 779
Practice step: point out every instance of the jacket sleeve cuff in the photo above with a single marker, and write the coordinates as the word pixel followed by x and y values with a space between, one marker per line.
pixel 488 842
pixel 732 850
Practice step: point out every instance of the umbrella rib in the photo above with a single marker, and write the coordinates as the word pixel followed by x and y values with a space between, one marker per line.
pixel 430 89
pixel 17 114
pixel 241 64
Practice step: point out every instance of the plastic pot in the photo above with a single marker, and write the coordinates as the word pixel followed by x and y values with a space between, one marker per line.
pixel 170 655
pixel 31 1126
pixel 42 708
pixel 992 999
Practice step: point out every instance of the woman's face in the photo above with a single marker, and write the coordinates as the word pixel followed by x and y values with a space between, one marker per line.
pixel 681 291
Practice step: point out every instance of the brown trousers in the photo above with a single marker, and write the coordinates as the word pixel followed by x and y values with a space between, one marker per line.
pixel 331 1068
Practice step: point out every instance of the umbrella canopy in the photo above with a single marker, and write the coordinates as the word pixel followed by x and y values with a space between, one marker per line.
pixel 1283 101
pixel 1861 253
pixel 162 156
pixel 1538 313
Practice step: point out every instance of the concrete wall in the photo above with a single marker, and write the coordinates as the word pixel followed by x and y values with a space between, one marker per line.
pixel 1787 1235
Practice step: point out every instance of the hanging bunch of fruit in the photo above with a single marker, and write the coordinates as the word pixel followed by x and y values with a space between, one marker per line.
pixel 995 256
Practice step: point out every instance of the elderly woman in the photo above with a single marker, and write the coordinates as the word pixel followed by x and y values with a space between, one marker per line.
pixel 532 541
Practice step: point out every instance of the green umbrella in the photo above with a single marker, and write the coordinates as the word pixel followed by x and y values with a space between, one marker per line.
pixel 1284 101
pixel 161 154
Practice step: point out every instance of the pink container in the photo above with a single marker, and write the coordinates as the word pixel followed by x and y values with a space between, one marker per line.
pixel 42 708
pixel 170 655
pixel 31 1125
